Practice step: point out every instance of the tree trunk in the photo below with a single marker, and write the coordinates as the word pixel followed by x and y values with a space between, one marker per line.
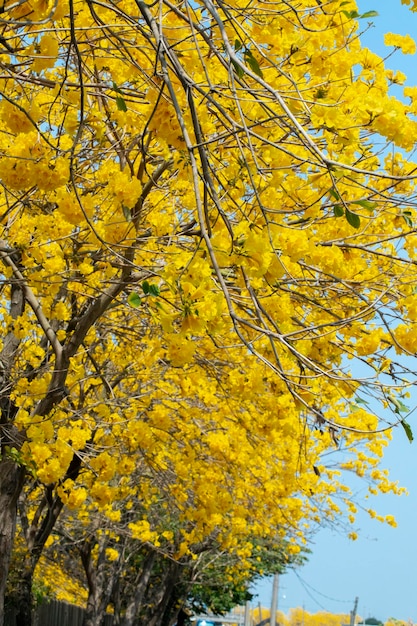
pixel 171 604
pixel 182 618
pixel 116 600
pixel 93 617
pixel 102 578
pixel 159 614
pixel 11 473
pixel 11 481
pixel 141 586
pixel 23 598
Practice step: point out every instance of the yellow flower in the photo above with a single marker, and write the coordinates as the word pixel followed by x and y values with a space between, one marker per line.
pixel 104 465
pixel 51 472
pixel 47 53
pixel 112 554
pixel 141 531
pixel 76 498
pixel 180 350
pixel 16 120
pixel 405 43
pixel 102 493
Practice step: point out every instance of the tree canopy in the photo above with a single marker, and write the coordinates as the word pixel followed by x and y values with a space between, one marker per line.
pixel 208 285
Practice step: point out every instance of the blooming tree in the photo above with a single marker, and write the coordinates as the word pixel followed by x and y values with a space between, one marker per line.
pixel 208 268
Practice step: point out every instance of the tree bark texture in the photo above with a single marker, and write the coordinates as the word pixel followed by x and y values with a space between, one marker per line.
pixel 11 480
pixel 141 587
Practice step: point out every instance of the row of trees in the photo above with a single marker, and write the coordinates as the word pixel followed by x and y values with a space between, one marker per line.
pixel 208 292
pixel 299 617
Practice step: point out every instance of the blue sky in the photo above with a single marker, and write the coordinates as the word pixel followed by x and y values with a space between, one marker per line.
pixel 380 568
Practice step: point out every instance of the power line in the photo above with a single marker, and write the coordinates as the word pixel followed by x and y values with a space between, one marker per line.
pixel 305 584
pixel 312 597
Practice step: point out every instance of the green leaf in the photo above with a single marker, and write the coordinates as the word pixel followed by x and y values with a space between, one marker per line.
pixel 408 430
pixel 120 101
pixel 338 210
pixel 127 213
pixel 121 104
pixel 353 219
pixel 400 407
pixel 366 204
pixel 253 63
pixel 351 14
pixel 359 400
pixel 333 193
pixel 149 289
pixel 355 15
pixel 134 299
pixel 238 69
pixel 369 14
pixel 238 45
pixel 407 217
pixel 154 290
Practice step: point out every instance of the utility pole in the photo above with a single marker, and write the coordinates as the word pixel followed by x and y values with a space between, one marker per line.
pixel 353 613
pixel 248 620
pixel 274 601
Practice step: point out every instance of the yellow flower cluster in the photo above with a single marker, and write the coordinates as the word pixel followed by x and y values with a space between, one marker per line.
pixel 405 43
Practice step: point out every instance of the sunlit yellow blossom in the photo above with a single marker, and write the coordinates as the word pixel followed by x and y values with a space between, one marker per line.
pixel 406 44
pixel 46 53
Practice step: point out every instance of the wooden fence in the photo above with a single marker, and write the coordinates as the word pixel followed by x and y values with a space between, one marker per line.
pixel 56 613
